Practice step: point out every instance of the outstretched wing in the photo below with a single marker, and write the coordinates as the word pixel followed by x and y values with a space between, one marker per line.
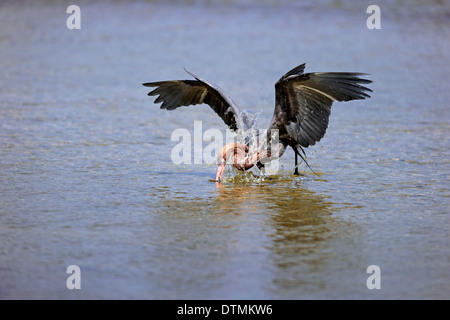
pixel 303 101
pixel 177 93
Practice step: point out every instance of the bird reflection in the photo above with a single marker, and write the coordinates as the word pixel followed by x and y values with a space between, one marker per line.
pixel 302 225
pixel 285 230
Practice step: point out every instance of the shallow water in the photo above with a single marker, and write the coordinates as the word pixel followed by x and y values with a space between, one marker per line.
pixel 87 176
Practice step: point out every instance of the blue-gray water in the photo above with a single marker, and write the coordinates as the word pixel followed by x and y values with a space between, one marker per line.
pixel 86 173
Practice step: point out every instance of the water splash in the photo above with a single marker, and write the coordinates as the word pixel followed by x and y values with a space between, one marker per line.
pixel 259 177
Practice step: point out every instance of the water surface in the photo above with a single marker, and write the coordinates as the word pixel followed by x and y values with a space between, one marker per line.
pixel 87 176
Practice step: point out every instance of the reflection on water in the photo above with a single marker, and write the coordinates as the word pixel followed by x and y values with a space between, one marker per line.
pixel 292 228
pixel 302 229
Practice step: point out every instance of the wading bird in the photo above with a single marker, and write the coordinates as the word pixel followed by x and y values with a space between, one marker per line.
pixel 302 110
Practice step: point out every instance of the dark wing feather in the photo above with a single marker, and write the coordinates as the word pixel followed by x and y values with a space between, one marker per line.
pixel 303 101
pixel 177 93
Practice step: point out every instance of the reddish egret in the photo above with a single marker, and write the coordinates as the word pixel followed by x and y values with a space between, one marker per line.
pixel 302 110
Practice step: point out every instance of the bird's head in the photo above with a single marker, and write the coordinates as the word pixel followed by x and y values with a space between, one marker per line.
pixel 237 153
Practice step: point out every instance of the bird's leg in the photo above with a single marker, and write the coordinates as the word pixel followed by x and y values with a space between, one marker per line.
pixel 296 164
pixel 304 159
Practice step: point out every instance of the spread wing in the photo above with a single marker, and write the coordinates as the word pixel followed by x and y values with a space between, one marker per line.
pixel 177 93
pixel 303 101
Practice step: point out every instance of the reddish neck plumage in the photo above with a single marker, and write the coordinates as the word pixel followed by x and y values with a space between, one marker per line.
pixel 239 158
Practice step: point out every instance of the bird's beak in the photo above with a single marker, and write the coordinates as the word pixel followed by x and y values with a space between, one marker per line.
pixel 220 171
